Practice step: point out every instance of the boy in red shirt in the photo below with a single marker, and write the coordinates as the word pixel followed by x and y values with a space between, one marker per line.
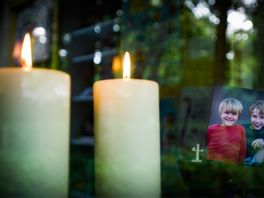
pixel 227 141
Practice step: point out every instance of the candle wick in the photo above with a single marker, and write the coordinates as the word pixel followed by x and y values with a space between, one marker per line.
pixel 126 77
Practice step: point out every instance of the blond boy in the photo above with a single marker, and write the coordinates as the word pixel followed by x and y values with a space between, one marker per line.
pixel 227 141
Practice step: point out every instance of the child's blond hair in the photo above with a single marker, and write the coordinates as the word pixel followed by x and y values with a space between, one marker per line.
pixel 259 105
pixel 231 105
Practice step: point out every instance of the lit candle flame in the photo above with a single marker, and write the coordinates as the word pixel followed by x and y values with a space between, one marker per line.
pixel 126 66
pixel 26 57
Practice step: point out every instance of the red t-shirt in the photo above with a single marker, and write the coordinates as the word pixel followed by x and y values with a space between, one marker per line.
pixel 226 143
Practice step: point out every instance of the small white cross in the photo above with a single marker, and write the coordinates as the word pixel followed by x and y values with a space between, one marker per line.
pixel 197 153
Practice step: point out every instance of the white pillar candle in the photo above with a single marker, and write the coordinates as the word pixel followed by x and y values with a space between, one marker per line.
pixel 34 133
pixel 127 138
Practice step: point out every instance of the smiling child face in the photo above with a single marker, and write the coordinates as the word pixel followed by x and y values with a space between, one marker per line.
pixel 229 118
pixel 257 120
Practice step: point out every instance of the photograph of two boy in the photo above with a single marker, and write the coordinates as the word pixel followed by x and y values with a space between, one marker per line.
pixel 236 128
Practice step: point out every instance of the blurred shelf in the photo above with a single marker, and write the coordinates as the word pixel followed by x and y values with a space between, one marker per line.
pixel 83 141
pixel 96 28
pixel 85 96
pixel 83 99
pixel 90 57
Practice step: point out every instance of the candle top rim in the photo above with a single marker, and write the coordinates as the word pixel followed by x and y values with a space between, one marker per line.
pixel 19 69
pixel 124 81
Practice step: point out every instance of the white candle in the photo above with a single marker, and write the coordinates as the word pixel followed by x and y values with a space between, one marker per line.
pixel 34 133
pixel 127 138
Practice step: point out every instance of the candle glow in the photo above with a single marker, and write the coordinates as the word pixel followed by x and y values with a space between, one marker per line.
pixel 26 56
pixel 116 65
